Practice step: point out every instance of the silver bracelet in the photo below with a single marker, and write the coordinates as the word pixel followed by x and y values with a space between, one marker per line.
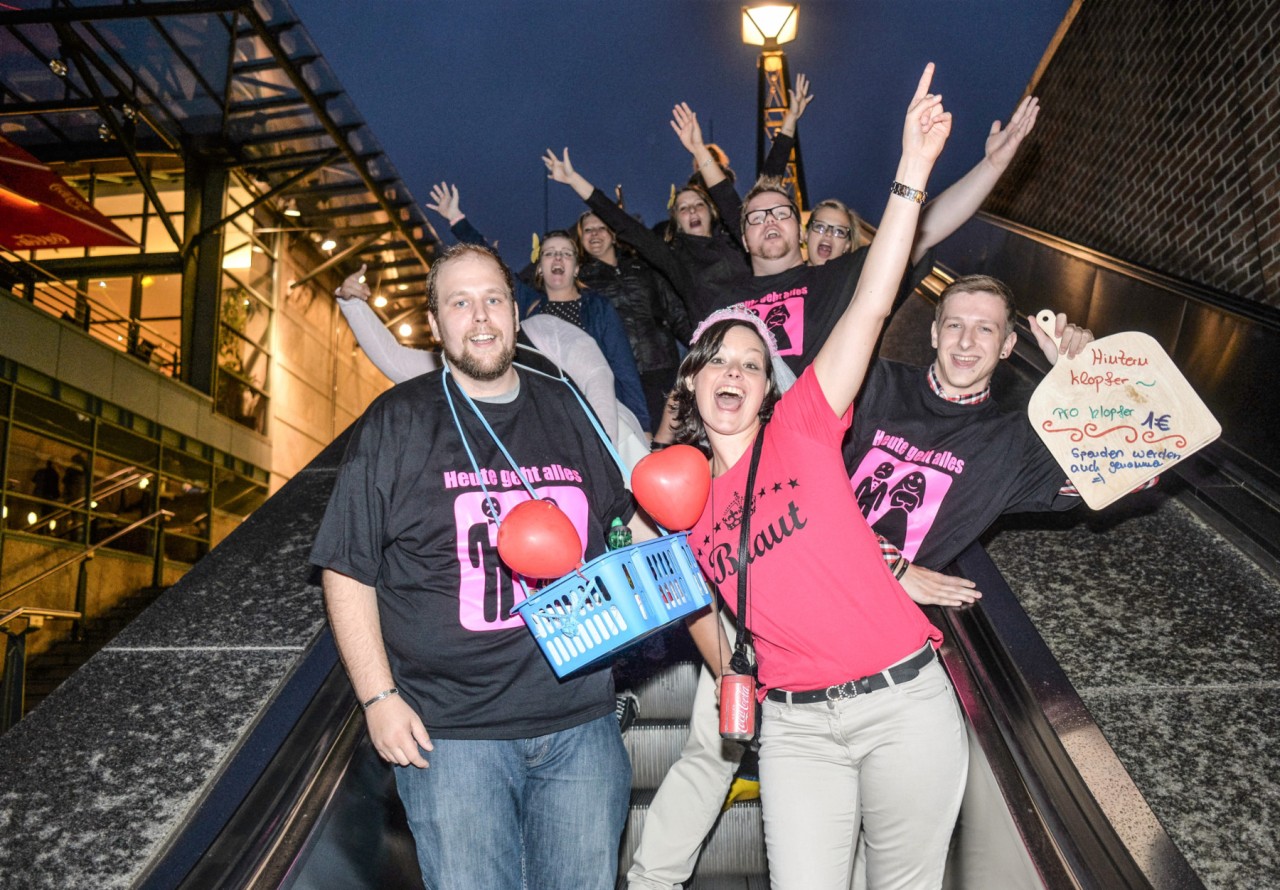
pixel 366 705
pixel 906 191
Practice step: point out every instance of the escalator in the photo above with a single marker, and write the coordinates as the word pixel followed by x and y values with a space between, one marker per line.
pixel 323 812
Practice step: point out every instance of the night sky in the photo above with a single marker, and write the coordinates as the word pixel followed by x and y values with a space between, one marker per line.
pixel 474 92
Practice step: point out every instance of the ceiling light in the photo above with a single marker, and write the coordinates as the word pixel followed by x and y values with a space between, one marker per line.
pixel 58 67
pixel 328 243
pixel 291 208
pixel 379 301
pixel 406 329
pixel 402 287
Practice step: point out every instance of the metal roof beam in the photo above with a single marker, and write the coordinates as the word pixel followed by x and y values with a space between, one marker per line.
pixel 64 106
pixel 340 256
pixel 261 199
pixel 252 15
pixel 142 9
pixel 279 103
pixel 358 209
pixel 301 133
pixel 74 46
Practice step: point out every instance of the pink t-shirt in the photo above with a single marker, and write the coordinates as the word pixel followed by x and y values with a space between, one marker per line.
pixel 822 604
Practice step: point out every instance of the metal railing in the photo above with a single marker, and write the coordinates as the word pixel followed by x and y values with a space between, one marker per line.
pixel 104 323
pixel 13 689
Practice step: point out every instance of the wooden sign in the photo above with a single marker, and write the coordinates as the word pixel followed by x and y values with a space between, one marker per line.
pixel 1118 414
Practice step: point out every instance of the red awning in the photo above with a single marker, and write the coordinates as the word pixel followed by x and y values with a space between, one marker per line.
pixel 39 210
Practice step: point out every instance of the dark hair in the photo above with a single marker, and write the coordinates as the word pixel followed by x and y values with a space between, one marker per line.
pixel 542 243
pixel 688 423
pixel 453 253
pixel 766 184
pixel 981 284
pixel 673 225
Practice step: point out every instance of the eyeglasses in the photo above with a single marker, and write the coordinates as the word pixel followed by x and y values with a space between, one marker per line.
pixel 560 254
pixel 821 228
pixel 780 213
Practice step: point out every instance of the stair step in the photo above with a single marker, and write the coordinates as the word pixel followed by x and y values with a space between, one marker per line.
pixel 653 746
pixel 668 693
pixel 736 847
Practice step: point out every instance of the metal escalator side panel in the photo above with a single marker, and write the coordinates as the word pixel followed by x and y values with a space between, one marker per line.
pixel 1096 818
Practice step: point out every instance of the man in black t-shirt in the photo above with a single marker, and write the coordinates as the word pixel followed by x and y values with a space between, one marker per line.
pixel 933 459
pixel 528 781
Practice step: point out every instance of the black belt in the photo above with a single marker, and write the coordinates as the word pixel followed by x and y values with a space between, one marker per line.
pixel 899 673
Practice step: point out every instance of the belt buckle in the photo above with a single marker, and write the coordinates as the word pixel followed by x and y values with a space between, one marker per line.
pixel 847 689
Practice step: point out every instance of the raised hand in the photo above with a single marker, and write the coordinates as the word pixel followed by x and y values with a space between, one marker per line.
pixel 559 169
pixel 928 124
pixel 685 124
pixel 1002 144
pixel 800 99
pixel 1072 339
pixel 445 198
pixel 353 286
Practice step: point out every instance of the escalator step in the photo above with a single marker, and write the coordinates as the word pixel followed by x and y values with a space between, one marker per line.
pixel 736 847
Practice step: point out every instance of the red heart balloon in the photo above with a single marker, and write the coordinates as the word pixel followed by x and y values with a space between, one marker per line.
pixel 672 485
pixel 538 540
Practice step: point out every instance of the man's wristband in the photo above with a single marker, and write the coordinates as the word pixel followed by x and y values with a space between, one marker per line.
pixel 906 191
pixel 900 567
pixel 386 693
pixel 705 163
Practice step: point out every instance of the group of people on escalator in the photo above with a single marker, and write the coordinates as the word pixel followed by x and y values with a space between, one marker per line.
pixel 751 334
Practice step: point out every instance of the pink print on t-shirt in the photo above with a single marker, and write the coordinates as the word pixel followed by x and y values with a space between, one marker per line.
pixel 900 499
pixel 783 315
pixel 486 591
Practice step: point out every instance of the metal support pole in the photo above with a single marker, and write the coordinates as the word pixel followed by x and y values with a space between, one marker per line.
pixel 15 678
pixel 82 597
pixel 157 565
pixel 773 82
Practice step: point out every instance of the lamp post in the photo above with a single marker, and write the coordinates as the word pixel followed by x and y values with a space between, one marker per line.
pixel 768 26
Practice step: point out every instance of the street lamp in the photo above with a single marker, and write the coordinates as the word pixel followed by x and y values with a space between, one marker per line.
pixel 768 26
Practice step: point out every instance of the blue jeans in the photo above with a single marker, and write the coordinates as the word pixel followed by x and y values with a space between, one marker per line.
pixel 541 813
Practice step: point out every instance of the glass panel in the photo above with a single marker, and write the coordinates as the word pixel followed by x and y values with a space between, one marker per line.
pixel 126 445
pixel 137 541
pixel 46 480
pixel 190 505
pixel 242 403
pixel 49 416
pixel 121 490
pixel 236 494
pixel 183 549
pixel 187 467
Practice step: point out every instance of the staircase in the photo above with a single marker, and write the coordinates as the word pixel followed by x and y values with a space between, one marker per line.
pixel 47 671
pixel 734 857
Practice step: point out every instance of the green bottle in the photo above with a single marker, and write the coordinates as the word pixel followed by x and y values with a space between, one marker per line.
pixel 619 535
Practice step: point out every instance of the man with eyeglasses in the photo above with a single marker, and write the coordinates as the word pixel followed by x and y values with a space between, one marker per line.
pixel 814 296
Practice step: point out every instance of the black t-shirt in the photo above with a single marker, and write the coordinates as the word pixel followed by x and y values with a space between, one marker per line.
pixel 409 518
pixel 802 304
pixel 930 475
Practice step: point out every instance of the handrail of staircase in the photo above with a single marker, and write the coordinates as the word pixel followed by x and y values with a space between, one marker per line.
pixel 83 555
pixel 29 612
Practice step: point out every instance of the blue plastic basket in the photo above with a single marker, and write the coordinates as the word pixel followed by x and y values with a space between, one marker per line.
pixel 614 600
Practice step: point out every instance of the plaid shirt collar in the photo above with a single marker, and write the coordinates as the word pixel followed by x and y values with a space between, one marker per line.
pixel 973 398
